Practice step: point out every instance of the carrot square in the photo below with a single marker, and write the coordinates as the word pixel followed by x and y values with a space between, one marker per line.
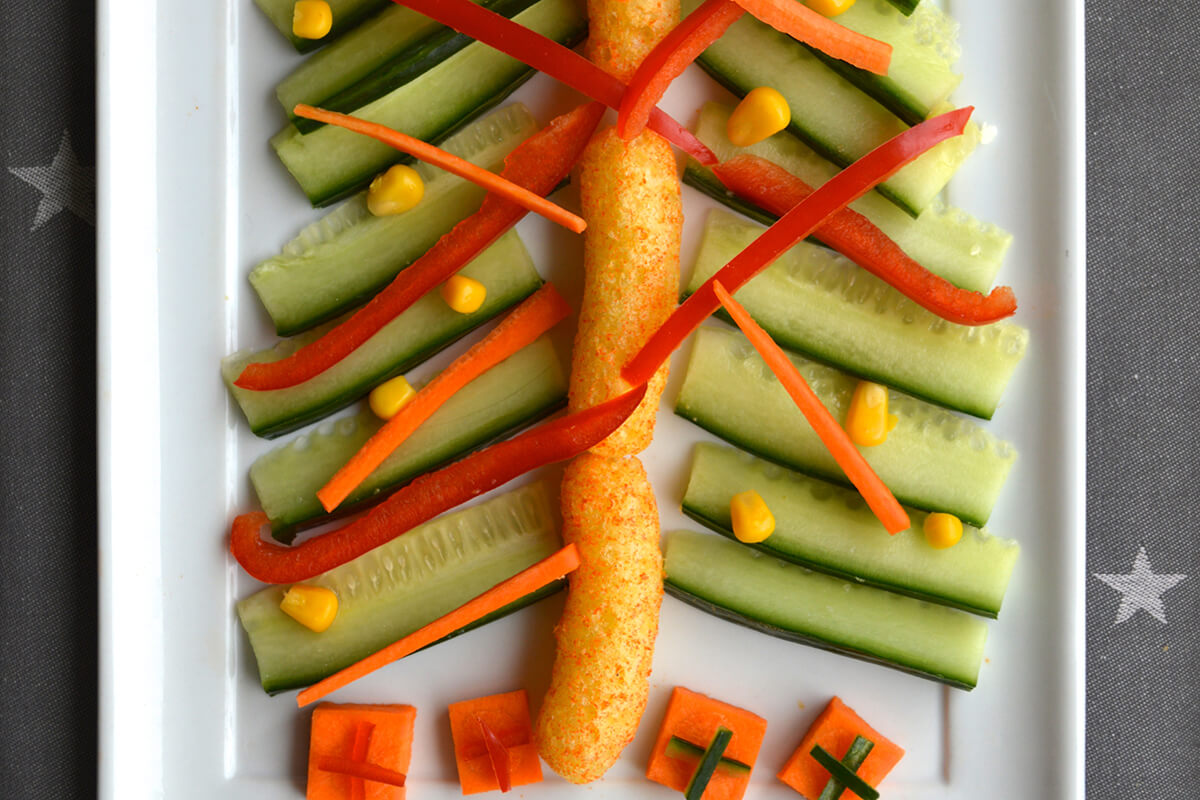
pixel 507 715
pixel 390 746
pixel 834 729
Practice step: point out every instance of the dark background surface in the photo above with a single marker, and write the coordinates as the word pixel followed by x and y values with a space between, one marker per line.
pixel 1143 387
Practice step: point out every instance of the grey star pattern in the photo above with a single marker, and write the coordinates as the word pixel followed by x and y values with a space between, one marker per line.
pixel 1142 589
pixel 64 183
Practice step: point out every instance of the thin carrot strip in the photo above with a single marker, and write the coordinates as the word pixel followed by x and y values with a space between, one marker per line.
pixel 538 314
pixel 529 580
pixel 361 770
pixel 358 754
pixel 878 496
pixel 451 163
pixel 801 22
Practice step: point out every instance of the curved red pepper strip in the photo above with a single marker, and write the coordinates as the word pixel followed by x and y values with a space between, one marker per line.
pixel 539 164
pixel 774 188
pixel 498 754
pixel 844 188
pixel 427 496
pixel 816 30
pixel 669 58
pixel 361 771
pixel 559 62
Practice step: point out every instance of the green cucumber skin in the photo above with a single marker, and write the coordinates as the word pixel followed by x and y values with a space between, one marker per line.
pixel 678 748
pixel 522 389
pixel 977 570
pixel 346 15
pixel 903 105
pixel 425 328
pixel 758 572
pixel 709 762
pixel 932 459
pixel 343 259
pixel 905 7
pixel 331 163
pixel 408 64
pixel 822 306
pixel 403 585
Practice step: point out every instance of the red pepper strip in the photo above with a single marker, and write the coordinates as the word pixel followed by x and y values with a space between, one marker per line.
pixel 801 22
pixel 880 499
pixel 550 57
pixel 498 754
pixel 539 164
pixel 774 188
pixel 669 58
pixel 428 495
pixel 357 769
pixel 358 753
pixel 844 188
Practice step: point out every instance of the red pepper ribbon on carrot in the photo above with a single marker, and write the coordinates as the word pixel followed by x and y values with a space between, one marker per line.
pixel 536 315
pixel 559 62
pixel 798 223
pixel 427 496
pixel 772 187
pixel 878 497
pixel 539 164
pixel 361 771
pixel 525 582
pixel 498 755
pixel 358 754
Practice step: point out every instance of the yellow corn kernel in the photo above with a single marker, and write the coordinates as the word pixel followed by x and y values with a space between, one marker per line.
pixel 762 113
pixel 752 520
pixel 389 397
pixel 829 8
pixel 943 530
pixel 395 191
pixel 311 19
pixel 868 421
pixel 464 295
pixel 314 607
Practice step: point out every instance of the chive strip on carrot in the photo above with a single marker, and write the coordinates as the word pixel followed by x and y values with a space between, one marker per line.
pixel 708 764
pixel 539 163
pixel 529 580
pixel 361 771
pixel 859 749
pixel 669 58
pixel 498 754
pixel 358 753
pixel 880 499
pixel 772 187
pixel 801 22
pixel 438 157
pixel 843 774
pixel 842 189
pixel 536 315
pixel 559 62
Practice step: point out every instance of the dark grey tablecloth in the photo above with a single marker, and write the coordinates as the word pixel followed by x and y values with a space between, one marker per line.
pixel 1143 379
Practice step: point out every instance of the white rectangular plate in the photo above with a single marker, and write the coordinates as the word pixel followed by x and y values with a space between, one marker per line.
pixel 191 196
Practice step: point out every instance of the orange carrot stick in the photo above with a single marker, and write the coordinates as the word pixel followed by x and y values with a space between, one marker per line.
pixel 878 496
pixel 529 580
pixel 358 754
pixel 538 314
pixel 801 22
pixel 361 770
pixel 449 162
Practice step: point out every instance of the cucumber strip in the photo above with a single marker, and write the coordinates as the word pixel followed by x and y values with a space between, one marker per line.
pixel 344 258
pixel 921 74
pixel 946 241
pixel 346 14
pixel 407 64
pixel 423 329
pixel 524 387
pixel 856 754
pixel 708 764
pixel 843 774
pixel 906 7
pixel 932 459
pixel 681 748
pixel 818 303
pixel 330 162
pixel 830 529
pixel 401 586
pixel 829 113
pixel 741 585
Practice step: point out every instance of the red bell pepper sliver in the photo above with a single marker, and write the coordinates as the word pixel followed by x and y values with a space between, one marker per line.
pixel 361 771
pixel 498 754
pixel 539 164
pixel 428 495
pixel 844 188
pixel 878 496
pixel 536 315
pixel 557 61
pixel 449 162
pixel 772 187
pixel 529 580
pixel 801 22
pixel 358 754
pixel 669 58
